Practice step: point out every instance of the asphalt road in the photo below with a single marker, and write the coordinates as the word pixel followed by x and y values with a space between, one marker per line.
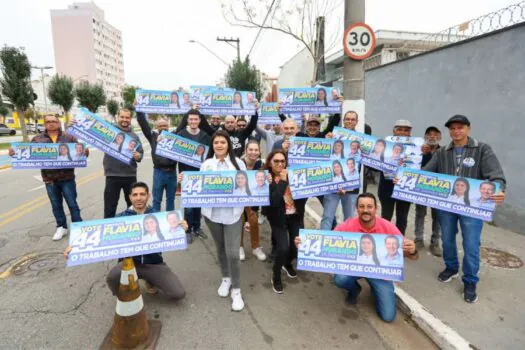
pixel 46 305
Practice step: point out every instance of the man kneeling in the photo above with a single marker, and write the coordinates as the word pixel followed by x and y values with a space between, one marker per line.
pixel 150 267
pixel 368 222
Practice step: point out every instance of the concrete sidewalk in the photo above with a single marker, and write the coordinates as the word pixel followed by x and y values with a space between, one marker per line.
pixel 496 320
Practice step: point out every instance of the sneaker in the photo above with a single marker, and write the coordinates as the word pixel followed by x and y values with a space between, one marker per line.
pixel 242 256
pixel 261 219
pixel 436 250
pixel 150 288
pixel 224 288
pixel 277 285
pixel 469 293
pixel 200 233
pixel 60 232
pixel 259 253
pixel 290 271
pixel 420 245
pixel 237 302
pixel 351 298
pixel 447 275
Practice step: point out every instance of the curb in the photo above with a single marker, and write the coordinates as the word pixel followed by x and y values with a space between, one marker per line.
pixel 443 335
pixel 2 167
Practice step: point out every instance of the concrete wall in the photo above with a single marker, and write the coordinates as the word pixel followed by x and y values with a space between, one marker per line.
pixel 297 72
pixel 482 78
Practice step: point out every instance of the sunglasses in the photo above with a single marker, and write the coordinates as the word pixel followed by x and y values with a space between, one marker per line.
pixel 279 161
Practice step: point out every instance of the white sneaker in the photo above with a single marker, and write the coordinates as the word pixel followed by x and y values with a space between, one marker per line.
pixel 242 256
pixel 237 302
pixel 60 232
pixel 224 288
pixel 261 219
pixel 259 253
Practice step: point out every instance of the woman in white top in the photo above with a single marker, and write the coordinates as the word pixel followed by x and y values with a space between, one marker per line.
pixel 367 251
pixel 337 151
pixel 337 169
pixel 63 152
pixel 151 229
pixel 241 184
pixel 225 223
pixel 460 192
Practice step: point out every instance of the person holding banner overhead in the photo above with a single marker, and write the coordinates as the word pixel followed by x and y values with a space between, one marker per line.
pixel 374 227
pixel 225 223
pixel 60 183
pixel 469 158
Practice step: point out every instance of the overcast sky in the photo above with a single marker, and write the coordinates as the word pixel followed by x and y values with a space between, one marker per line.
pixel 157 53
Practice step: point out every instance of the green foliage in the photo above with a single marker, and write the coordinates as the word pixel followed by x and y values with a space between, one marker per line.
pixel 128 95
pixel 113 107
pixel 4 111
pixel 242 76
pixel 90 96
pixel 60 92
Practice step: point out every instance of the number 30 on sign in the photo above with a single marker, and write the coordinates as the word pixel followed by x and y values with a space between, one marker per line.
pixel 359 41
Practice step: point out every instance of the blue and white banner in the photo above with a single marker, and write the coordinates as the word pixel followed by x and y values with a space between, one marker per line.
pixel 48 155
pixel 98 133
pixel 309 150
pixel 241 188
pixel 269 114
pixel 323 177
pixel 464 196
pixel 413 152
pixel 378 256
pixel 163 102
pixel 310 100
pixel 181 149
pixel 126 236
pixel 222 101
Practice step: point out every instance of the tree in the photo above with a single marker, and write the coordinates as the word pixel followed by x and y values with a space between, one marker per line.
pixel 90 96
pixel 4 111
pixel 128 95
pixel 60 92
pixel 242 76
pixel 112 106
pixel 16 82
pixel 302 20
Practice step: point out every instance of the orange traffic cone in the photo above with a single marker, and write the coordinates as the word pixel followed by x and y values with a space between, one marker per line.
pixel 131 329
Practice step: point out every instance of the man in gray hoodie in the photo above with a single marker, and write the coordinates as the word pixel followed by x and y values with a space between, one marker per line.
pixel 120 176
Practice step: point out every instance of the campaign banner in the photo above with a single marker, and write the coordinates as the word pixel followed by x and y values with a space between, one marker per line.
pixel 323 177
pixel 459 195
pixel 181 149
pixel 340 133
pixel 413 152
pixel 216 100
pixel 164 102
pixel 99 133
pixel 310 100
pixel 125 236
pixel 308 150
pixel 376 153
pixel 241 188
pixel 378 256
pixel 48 155
pixel 269 114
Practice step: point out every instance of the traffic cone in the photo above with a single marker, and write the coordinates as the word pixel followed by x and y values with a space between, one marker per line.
pixel 131 328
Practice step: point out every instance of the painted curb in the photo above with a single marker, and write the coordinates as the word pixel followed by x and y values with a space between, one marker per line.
pixel 443 335
pixel 2 167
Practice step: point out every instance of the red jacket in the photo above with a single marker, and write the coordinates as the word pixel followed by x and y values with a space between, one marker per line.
pixel 55 175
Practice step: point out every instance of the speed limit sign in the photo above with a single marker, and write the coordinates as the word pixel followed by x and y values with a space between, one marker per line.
pixel 359 41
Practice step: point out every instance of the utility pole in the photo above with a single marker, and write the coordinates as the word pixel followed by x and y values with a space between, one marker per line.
pixel 43 83
pixel 232 40
pixel 353 71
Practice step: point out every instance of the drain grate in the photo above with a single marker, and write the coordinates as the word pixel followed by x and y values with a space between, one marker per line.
pixel 34 265
pixel 499 258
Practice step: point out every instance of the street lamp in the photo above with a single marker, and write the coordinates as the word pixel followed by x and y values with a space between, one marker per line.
pixel 43 83
pixel 210 51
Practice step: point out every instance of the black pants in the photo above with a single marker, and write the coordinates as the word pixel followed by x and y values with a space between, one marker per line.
pixel 284 238
pixel 114 184
pixel 402 208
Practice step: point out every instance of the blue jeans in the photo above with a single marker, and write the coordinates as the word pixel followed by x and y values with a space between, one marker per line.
pixel 330 203
pixel 164 180
pixel 385 297
pixel 193 217
pixel 471 233
pixel 64 190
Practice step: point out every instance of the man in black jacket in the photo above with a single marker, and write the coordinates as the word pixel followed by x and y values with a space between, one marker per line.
pixel 164 169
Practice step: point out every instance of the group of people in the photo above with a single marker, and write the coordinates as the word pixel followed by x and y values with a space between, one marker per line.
pixel 233 146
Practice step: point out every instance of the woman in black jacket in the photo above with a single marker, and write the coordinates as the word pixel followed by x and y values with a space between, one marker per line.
pixel 284 216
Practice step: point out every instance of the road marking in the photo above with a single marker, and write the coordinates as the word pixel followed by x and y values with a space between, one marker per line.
pixel 36 203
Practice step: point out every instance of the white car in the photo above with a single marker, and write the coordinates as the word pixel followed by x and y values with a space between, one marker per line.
pixel 5 130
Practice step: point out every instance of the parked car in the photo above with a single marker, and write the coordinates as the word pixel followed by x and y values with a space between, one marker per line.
pixel 5 130
pixel 30 128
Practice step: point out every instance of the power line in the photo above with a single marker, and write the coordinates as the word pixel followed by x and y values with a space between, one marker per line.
pixel 260 29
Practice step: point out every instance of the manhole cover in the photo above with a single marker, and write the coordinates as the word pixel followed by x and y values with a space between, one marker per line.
pixel 500 258
pixel 33 265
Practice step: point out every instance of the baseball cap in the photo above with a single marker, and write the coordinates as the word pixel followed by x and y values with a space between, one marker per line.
pixel 313 118
pixel 432 128
pixel 458 118
pixel 403 123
